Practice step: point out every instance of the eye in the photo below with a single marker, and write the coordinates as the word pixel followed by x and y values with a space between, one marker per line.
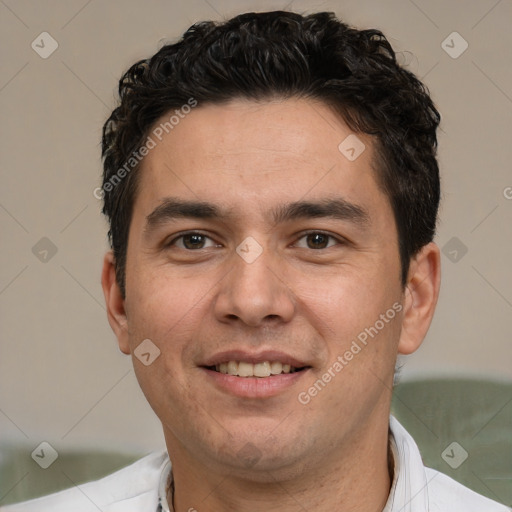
pixel 317 240
pixel 192 241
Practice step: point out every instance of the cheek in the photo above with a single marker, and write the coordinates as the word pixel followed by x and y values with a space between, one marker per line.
pixel 159 305
pixel 345 303
pixel 160 312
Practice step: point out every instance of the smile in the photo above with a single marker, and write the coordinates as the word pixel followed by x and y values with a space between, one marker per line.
pixel 261 370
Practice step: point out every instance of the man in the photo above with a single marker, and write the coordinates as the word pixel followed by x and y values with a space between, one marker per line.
pixel 272 189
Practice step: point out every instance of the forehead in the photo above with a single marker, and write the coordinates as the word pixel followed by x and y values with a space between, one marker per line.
pixel 247 153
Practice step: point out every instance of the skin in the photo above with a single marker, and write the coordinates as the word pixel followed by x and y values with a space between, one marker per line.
pixel 302 295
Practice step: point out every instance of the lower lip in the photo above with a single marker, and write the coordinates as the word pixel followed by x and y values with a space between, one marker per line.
pixel 254 387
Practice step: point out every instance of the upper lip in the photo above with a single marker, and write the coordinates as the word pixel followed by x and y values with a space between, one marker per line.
pixel 254 358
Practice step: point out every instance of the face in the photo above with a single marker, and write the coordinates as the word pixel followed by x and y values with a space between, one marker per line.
pixel 258 248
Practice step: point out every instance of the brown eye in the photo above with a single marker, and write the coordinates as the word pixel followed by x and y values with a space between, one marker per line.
pixel 317 241
pixel 192 241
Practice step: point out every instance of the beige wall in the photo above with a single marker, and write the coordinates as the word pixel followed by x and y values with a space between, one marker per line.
pixel 62 378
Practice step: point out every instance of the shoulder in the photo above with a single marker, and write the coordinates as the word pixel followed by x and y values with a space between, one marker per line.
pixel 445 494
pixel 422 489
pixel 132 488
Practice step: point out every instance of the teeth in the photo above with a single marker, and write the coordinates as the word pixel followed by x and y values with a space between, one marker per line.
pixel 264 369
pixel 232 368
pixel 245 369
pixel 276 368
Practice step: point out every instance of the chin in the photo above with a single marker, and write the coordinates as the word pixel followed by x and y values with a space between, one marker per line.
pixel 259 457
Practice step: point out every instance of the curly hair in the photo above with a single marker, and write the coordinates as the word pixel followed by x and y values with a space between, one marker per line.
pixel 261 56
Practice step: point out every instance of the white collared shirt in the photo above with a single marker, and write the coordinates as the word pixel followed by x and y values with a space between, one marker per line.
pixel 141 487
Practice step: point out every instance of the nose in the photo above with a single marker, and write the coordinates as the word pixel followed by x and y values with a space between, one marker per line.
pixel 255 293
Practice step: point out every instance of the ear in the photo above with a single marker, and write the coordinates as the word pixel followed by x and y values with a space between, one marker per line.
pixel 115 303
pixel 420 297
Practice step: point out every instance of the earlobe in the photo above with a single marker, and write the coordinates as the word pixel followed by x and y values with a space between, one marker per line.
pixel 420 297
pixel 115 302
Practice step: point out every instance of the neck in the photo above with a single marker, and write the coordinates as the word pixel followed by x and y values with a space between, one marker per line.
pixel 355 477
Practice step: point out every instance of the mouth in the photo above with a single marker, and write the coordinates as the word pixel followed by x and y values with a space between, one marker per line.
pixel 263 369
pixel 247 374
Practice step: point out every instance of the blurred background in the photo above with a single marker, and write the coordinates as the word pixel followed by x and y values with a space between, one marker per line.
pixel 62 378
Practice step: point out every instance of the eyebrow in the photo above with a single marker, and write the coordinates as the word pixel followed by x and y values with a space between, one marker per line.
pixel 173 208
pixel 337 208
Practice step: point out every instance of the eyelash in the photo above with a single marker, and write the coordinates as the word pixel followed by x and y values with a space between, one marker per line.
pixel 339 240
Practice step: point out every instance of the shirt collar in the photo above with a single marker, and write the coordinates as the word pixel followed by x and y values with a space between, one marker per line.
pixel 409 490
pixel 166 481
